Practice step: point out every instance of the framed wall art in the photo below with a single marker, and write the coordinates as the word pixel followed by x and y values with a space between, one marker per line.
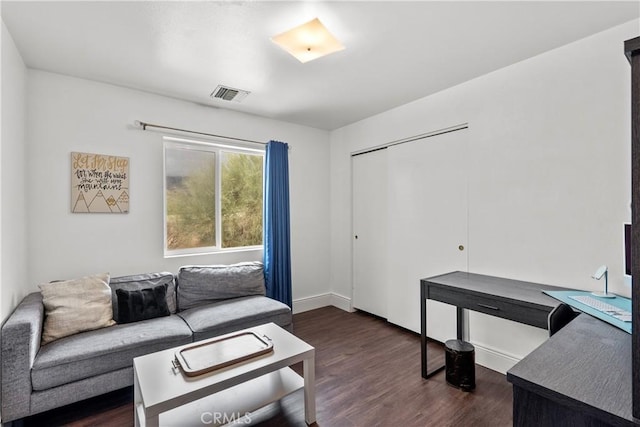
pixel 99 183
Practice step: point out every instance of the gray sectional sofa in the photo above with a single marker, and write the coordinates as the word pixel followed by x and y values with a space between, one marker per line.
pixel 204 301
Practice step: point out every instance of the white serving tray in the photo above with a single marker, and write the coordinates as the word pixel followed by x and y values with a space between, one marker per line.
pixel 207 356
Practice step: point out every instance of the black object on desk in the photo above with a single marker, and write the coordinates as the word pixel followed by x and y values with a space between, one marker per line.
pixel 560 317
pixel 510 299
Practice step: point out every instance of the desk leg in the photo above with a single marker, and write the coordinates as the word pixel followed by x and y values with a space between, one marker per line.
pixel 423 334
pixel 423 330
pixel 309 372
pixel 459 322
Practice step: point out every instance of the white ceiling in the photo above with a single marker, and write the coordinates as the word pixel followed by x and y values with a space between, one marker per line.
pixel 395 52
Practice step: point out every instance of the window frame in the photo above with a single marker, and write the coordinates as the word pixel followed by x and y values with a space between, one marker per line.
pixel 218 147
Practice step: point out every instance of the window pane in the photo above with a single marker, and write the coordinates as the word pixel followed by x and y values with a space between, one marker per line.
pixel 241 200
pixel 190 193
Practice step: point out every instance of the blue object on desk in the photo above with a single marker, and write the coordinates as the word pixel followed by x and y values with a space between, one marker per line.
pixel 618 301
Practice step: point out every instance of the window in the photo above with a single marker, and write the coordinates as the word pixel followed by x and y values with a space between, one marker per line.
pixel 212 197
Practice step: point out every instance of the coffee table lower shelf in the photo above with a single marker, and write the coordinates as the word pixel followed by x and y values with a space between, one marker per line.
pixel 231 404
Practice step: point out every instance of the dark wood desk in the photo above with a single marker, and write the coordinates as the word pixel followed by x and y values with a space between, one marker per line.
pixel 580 376
pixel 510 299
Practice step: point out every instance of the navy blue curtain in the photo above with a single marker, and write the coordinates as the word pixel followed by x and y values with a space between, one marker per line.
pixel 277 251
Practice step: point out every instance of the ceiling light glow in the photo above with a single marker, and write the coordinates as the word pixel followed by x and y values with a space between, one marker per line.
pixel 308 41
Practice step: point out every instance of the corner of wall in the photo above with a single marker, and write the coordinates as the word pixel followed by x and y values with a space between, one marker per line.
pixel 13 210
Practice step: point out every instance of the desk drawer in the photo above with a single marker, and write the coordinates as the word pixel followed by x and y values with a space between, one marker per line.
pixel 489 304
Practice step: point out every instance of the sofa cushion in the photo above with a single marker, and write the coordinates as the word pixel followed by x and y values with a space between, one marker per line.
pixel 77 305
pixel 141 281
pixel 142 304
pixel 221 317
pixel 202 284
pixel 104 350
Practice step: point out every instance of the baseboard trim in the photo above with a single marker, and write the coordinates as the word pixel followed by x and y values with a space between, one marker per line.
pixel 342 302
pixel 494 359
pixel 301 305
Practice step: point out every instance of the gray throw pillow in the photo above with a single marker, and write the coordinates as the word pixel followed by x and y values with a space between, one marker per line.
pixel 201 284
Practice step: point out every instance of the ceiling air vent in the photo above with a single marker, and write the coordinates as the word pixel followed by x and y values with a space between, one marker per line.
pixel 229 94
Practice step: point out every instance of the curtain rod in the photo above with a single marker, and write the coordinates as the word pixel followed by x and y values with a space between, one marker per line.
pixel 411 139
pixel 145 125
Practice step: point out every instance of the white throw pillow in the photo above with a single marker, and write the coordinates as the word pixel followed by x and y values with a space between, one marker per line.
pixel 75 306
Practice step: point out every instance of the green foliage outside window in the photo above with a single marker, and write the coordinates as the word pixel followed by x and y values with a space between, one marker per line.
pixel 191 203
pixel 241 200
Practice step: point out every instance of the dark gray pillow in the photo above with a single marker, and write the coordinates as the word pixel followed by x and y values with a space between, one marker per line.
pixel 201 284
pixel 142 281
pixel 142 304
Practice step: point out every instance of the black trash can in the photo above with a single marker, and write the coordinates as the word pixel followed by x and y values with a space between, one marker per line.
pixel 460 365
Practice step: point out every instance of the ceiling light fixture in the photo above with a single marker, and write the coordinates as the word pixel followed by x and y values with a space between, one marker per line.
pixel 308 41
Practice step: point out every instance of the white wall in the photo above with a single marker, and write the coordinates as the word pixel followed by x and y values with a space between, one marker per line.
pixel 13 208
pixel 549 180
pixel 67 114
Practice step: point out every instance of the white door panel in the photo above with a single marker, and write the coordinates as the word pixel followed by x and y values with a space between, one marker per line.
pixel 369 181
pixel 427 220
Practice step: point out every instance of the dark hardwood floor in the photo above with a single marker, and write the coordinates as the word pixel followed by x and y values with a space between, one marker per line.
pixel 367 374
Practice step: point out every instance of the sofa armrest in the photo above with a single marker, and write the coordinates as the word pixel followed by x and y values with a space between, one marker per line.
pixel 20 342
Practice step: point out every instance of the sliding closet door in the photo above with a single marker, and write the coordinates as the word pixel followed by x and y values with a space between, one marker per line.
pixel 369 181
pixel 427 220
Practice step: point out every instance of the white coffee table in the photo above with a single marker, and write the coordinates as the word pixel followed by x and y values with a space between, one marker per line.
pixel 164 396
